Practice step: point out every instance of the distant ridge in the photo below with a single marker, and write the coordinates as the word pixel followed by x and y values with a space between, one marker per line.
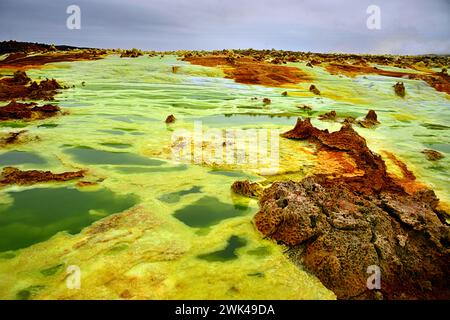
pixel 18 46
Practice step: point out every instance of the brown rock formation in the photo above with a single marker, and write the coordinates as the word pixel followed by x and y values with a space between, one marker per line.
pixel 432 155
pixel 19 87
pixel 170 119
pixel 399 89
pixel 338 234
pixel 328 115
pixel 370 120
pixel 251 71
pixel 438 80
pixel 339 227
pixel 12 175
pixel 313 89
pixel 133 53
pixel 247 189
pixel 24 61
pixel 11 137
pixel 27 111
pixel 305 107
pixel 267 101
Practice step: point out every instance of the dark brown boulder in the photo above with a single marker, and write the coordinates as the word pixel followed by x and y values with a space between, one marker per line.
pixel 370 120
pixel 314 90
pixel 328 116
pixel 399 89
pixel 432 155
pixel 170 119
pixel 247 188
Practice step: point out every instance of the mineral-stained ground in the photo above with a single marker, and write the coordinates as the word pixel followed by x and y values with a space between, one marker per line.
pixel 88 179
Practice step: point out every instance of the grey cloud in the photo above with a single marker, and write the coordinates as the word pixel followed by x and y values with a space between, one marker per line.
pixel 408 27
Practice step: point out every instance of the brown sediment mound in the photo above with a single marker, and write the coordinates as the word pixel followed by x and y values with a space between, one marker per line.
pixel 248 70
pixel 399 89
pixel 339 228
pixel 328 115
pixel 11 138
pixel 438 80
pixel 432 155
pixel 305 107
pixel 24 61
pixel 267 101
pixel 11 175
pixel 247 188
pixel 19 87
pixel 347 140
pixel 133 53
pixel 370 120
pixel 175 69
pixel 313 89
pixel 170 119
pixel 27 111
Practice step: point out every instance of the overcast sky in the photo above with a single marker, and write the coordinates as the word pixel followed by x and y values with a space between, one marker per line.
pixel 407 26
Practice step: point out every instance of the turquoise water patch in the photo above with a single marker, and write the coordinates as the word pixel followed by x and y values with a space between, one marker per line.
pixel 126 129
pixel 35 215
pixel 93 156
pixel 234 174
pixel 442 147
pixel 435 126
pixel 131 170
pixel 29 292
pixel 116 145
pixel 52 270
pixel 247 119
pixel 114 132
pixel 174 197
pixel 12 124
pixel 48 125
pixel 20 157
pixel 259 252
pixel 228 253
pixel 209 211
